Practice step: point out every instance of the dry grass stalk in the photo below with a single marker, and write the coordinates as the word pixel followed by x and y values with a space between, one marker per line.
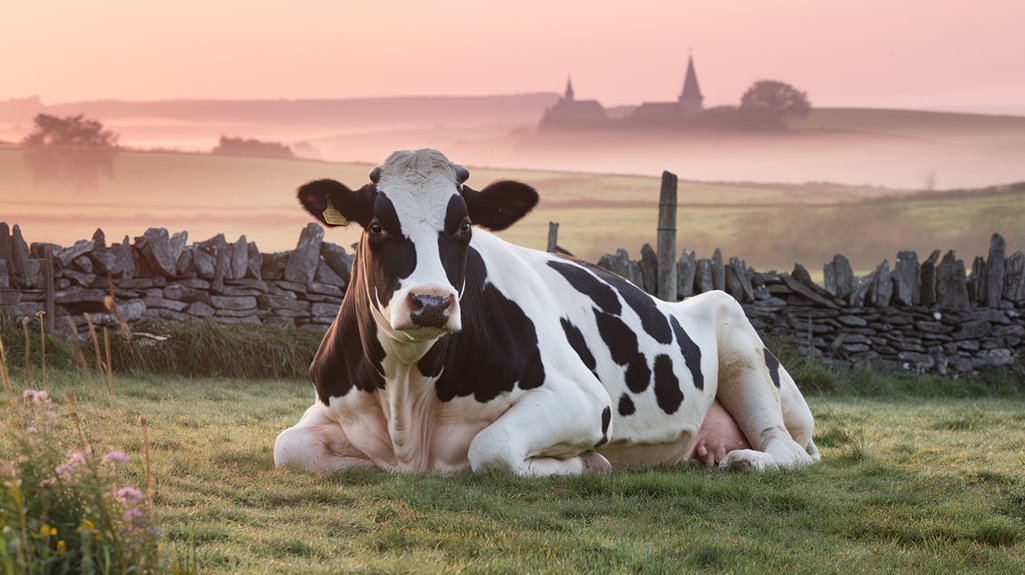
pixel 96 341
pixel 110 372
pixel 79 356
pixel 42 346
pixel 28 353
pixel 151 484
pixel 3 370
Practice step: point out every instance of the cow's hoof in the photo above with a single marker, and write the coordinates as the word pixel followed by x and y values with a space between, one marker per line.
pixel 595 462
pixel 744 460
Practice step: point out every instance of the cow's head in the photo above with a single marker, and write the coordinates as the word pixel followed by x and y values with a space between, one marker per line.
pixel 417 218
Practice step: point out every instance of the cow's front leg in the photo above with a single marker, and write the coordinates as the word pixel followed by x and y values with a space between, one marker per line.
pixel 547 432
pixel 317 443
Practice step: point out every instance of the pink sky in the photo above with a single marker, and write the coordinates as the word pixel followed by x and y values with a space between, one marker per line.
pixel 879 53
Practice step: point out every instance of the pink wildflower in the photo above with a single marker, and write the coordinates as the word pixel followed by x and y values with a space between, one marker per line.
pixel 115 457
pixel 72 463
pixel 129 494
pixel 130 514
pixel 36 397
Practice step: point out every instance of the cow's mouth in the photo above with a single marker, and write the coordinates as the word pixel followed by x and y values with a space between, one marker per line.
pixel 421 334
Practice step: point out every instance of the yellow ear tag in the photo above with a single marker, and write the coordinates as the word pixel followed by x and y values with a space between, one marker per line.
pixel 333 216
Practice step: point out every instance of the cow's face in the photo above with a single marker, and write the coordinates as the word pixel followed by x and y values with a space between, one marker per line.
pixel 417 218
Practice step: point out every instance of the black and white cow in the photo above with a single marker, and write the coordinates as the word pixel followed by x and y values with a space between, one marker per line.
pixel 453 349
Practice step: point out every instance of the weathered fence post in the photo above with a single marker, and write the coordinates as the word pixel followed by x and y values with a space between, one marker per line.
pixel 666 280
pixel 553 236
pixel 50 296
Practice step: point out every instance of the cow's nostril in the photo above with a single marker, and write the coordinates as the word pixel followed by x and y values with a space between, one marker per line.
pixel 429 310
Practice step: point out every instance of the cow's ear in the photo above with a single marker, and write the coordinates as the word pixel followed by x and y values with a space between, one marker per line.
pixel 333 204
pixel 499 205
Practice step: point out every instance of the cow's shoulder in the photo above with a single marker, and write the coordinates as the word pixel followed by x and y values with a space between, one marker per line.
pixel 497 350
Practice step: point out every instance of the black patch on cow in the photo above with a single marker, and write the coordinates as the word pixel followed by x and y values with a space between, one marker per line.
pixel 584 282
pixel 576 340
pixel 626 405
pixel 350 355
pixel 496 348
pixel 652 320
pixel 691 353
pixel 620 339
pixel 667 386
pixel 453 241
pixel 773 364
pixel 606 419
pixel 393 254
pixel 638 375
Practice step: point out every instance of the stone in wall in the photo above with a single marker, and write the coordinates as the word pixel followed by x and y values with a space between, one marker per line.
pixel 686 268
pixel 239 259
pixel 1014 278
pixel 881 290
pixel 995 271
pixel 718 271
pixel 906 288
pixel 703 276
pixel 976 283
pixel 66 255
pixel 254 261
pixel 649 269
pixel 838 278
pixel 738 284
pixel 99 239
pixel 5 242
pixel 336 259
pixel 302 262
pixel 273 266
pixel 927 296
pixel 19 258
pixel 951 287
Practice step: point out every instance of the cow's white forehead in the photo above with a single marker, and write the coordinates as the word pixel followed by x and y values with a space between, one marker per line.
pixel 419 183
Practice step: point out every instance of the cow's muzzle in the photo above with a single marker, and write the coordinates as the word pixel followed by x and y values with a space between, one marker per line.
pixel 426 310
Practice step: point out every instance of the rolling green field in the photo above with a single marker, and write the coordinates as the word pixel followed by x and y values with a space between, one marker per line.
pixel 769 225
pixel 920 479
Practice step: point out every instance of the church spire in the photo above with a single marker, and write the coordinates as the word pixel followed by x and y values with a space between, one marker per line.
pixel 569 89
pixel 691 97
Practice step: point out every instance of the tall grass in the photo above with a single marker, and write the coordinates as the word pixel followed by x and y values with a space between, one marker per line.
pixel 193 349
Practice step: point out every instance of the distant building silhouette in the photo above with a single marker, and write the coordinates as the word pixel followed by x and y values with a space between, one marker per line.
pixel 661 114
pixel 571 114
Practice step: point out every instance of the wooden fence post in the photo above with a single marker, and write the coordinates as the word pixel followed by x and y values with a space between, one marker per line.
pixel 553 236
pixel 666 282
pixel 51 323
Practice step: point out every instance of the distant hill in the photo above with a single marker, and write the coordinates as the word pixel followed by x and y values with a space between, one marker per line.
pixel 356 111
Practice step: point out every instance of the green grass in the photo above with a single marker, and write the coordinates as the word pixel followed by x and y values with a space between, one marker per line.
pixel 914 478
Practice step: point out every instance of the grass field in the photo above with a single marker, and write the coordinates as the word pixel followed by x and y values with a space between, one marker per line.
pixel 915 478
pixel 769 225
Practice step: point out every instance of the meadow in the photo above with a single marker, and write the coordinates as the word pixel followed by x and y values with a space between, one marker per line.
pixel 769 225
pixel 918 475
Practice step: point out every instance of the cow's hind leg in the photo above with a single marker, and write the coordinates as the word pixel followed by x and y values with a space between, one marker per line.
pixel 317 443
pixel 748 390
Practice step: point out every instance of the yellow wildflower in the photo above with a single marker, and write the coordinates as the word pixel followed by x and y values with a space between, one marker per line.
pixel 53 531
pixel 86 525
pixel 44 529
pixel 61 547
pixel 98 537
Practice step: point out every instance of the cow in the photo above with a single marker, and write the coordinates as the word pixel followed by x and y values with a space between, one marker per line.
pixel 455 350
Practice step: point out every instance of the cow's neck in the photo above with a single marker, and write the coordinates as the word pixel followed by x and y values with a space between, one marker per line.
pixel 408 402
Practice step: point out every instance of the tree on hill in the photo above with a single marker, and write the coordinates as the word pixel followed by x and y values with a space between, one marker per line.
pixel 774 100
pixel 72 150
pixel 252 148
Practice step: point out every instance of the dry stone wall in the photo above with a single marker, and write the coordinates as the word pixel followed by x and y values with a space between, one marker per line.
pixel 160 275
pixel 926 315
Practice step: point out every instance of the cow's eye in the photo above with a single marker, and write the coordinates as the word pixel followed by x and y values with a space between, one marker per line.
pixel 375 228
pixel 465 227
